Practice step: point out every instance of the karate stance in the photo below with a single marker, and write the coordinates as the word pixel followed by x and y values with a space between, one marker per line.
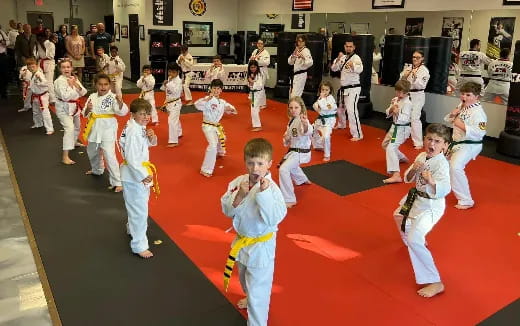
pixel 173 103
pixel 302 61
pixel 147 83
pixel 39 88
pixel 185 61
pixel 324 123
pixel 256 93
pixel 263 58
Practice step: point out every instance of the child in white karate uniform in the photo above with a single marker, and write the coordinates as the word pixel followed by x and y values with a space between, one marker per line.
pixel 146 83
pixel 256 205
pixel 263 58
pixel 216 70
pixel 302 61
pixel 424 205
pixel 68 90
pixel 185 61
pixel 115 69
pixel 326 108
pixel 173 103
pixel 102 60
pixel 256 93
pixel 400 110
pixel 213 108
pixel 25 76
pixel 45 51
pixel 298 138
pixel 101 130
pixel 469 128
pixel 39 88
pixel 137 174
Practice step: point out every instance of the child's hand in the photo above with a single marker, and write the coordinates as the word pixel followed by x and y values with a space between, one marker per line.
pixel 304 119
pixel 90 106
pixel 119 98
pixel 418 165
pixel 264 183
pixel 148 179
pixel 455 112
pixel 427 176
pixel 150 133
pixel 244 187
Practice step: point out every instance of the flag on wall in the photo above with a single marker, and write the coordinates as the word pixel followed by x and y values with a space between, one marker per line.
pixel 302 5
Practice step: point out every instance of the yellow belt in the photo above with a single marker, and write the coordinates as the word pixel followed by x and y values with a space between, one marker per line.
pixel 221 133
pixel 143 92
pixel 152 170
pixel 113 76
pixel 163 107
pixel 241 242
pixel 91 118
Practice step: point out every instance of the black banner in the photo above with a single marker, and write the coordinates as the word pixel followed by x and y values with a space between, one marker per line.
pixel 298 21
pixel 163 12
pixel 513 104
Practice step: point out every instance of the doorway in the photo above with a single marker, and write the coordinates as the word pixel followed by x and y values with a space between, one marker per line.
pixel 133 35
pixel 48 19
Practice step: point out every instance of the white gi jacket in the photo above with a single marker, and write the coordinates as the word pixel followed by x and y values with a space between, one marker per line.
pixel 471 63
pixel 146 83
pixel 25 74
pixel 301 59
pixel 116 67
pixel 186 64
pixel 418 78
pixel 65 93
pixel 349 76
pixel 173 88
pixel 45 54
pixel 258 214
pixel 298 138
pixel 499 72
pixel 104 129
pixel 440 170
pixel 264 59
pixel 134 148
pixel 212 109
pixel 405 110
pixel 258 84
pixel 215 73
pixel 325 106
pixel 38 83
pixel 474 119
pixel 101 62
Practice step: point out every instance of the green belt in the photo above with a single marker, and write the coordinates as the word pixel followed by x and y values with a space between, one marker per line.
pixel 394 134
pixel 453 143
pixel 323 117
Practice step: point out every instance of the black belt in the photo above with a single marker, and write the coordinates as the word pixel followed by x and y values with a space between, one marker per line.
pixel 416 90
pixel 300 72
pixel 408 203
pixel 349 86
pixel 500 80
pixel 468 75
pixel 340 99
pixel 299 150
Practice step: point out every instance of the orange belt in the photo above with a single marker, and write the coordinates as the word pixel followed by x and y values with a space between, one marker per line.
pixel 79 107
pixel 41 63
pixel 39 97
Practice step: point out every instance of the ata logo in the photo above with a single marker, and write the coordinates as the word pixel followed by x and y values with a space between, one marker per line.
pixel 197 7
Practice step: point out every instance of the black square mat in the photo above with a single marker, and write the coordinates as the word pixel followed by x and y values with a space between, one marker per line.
pixel 344 178
pixel 509 315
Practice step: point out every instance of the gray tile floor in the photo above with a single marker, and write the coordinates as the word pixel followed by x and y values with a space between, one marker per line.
pixel 22 301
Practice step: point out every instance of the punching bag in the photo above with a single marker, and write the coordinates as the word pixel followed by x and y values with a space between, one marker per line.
pixel 223 43
pixel 158 44
pixel 251 40
pixel 286 44
pixel 439 59
pixel 315 45
pixel 174 45
pixel 392 62
pixel 365 49
pixel 509 140
pixel 239 49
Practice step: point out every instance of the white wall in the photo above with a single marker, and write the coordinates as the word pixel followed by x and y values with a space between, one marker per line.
pixel 7 13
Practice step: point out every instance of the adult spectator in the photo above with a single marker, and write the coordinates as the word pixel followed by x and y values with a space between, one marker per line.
pixel 12 34
pixel 92 31
pixel 75 45
pixel 101 38
pixel 25 45
pixel 39 27
pixel 4 63
pixel 61 50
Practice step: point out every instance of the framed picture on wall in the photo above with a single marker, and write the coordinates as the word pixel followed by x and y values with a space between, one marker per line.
pixel 197 34
pixel 359 28
pixel 141 32
pixel 124 31
pixel 384 4
pixel 336 27
pixel 117 31
pixel 511 3
pixel 269 33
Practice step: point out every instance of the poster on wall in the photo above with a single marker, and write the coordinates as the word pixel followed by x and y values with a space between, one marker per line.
pixel 163 12
pixel 414 26
pixel 500 35
pixel 269 33
pixel 298 21
pixel 452 27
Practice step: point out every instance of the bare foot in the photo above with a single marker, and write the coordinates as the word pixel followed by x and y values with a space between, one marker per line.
pixel 463 206
pixel 68 162
pixel 308 182
pixel 326 159
pixel 242 303
pixel 118 189
pixel 172 145
pixel 289 205
pixel 355 139
pixel 78 144
pixel 221 154
pixel 48 133
pixel 89 172
pixel 431 290
pixel 393 179
pixel 257 129
pixel 145 254
pixel 207 175
pixel 189 103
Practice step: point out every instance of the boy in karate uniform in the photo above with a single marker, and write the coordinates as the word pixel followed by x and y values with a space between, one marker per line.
pixel 185 60
pixel 25 76
pixel 216 70
pixel 146 83
pixel 173 103
pixel 39 88
pixel 256 205
pixel 115 69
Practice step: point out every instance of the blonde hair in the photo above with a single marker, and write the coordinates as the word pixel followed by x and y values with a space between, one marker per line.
pixel 258 147
pixel 298 100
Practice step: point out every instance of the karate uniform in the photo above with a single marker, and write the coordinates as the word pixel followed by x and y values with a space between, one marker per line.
pixel 68 110
pixel 471 64
pixel 499 72
pixel 348 94
pixel 424 214
pixel 212 111
pixel 102 62
pixel 215 73
pixel 134 148
pixel 258 214
pixel 39 88
pixel 298 142
pixel 325 107
pixel 146 84
pixel 103 135
pixel 475 120
pixel 264 59
pixel 116 68
pixel 186 66
pixel 453 75
pixel 257 97
pixel 302 61
pixel 25 76
pixel 418 79
pixel 398 133
pixel 47 65
pixel 173 103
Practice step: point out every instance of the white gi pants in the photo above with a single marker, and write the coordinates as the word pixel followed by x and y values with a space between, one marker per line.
pixel 214 147
pixel 117 86
pixel 150 97
pixel 393 154
pixel 136 197
pixel 27 100
pixel 174 123
pixel 494 89
pixel 415 238
pixel 48 71
pixel 460 157
pixel 417 99
pixel 323 141
pixel 255 107
pixel 298 84
pixel 262 99
pixel 42 115
pixel 351 98
pixel 109 154
pixel 186 86
pixel 290 170
pixel 71 126
pixel 257 283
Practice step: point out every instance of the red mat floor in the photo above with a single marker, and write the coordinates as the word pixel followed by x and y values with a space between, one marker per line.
pixel 340 260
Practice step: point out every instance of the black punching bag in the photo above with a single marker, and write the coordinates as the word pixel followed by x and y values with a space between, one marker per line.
pixel 315 45
pixel 251 39
pixel 392 59
pixel 239 49
pixel 509 140
pixel 286 45
pixel 223 43
pixel 365 49
pixel 158 44
pixel 439 59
